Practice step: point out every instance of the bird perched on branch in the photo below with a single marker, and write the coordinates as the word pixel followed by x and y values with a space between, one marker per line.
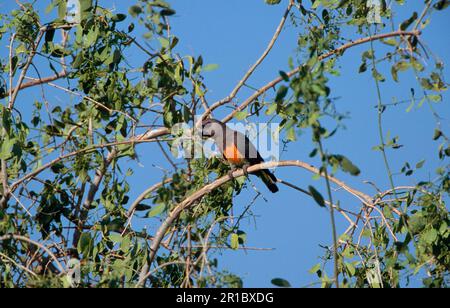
pixel 237 149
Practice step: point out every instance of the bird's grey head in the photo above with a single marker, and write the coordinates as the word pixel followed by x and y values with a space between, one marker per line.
pixel 212 128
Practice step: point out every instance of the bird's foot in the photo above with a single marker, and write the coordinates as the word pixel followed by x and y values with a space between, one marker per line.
pixel 245 169
pixel 230 174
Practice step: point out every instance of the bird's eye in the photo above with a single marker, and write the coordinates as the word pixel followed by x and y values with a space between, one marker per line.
pixel 213 132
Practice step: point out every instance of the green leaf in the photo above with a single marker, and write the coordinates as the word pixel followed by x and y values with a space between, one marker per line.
pixel 291 134
pixel 281 94
pixel 135 10
pixel 62 9
pixel 441 5
pixel 91 37
pixel 210 67
pixel 241 115
pixel 119 17
pixel 282 283
pixel 142 207
pixel 434 98
pixel 165 43
pixel 78 61
pixel 403 66
pixel 126 244
pixel 443 229
pixel 426 84
pixel 49 8
pixel 284 76
pixel 390 42
pixel 350 269
pixel 85 244
pixel 5 148
pixel 420 164
pixel 273 2
pixel 349 167
pixel 437 134
pixel 116 238
pixel 57 168
pixel 156 210
pixel 430 236
pixel 409 21
pixel 394 73
pixel 363 67
pixel 315 268
pixel 167 12
pixel 345 164
pixel 117 56
pixel 316 4
pixel 411 106
pixel 85 8
pixel 317 196
pixel 271 109
pixel 348 253
pixel 234 241
pixel 378 76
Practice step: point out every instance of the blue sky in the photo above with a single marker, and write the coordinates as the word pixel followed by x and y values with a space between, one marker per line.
pixel 233 34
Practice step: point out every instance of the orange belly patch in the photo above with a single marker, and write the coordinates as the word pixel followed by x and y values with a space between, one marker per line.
pixel 232 154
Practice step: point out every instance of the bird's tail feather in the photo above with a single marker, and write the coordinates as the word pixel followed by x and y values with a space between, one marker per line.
pixel 269 179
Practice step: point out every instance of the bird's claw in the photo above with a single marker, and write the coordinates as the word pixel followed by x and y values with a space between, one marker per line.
pixel 245 169
pixel 230 174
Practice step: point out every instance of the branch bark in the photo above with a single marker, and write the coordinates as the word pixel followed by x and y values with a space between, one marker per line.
pixel 40 81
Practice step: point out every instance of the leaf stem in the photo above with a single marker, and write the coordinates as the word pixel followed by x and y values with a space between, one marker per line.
pixel 332 216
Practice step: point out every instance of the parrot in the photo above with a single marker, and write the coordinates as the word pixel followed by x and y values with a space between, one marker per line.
pixel 237 150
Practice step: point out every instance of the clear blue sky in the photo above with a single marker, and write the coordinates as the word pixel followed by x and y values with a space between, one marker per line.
pixel 233 34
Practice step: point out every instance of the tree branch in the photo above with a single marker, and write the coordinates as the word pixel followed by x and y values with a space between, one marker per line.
pixel 39 245
pixel 337 51
pixel 146 137
pixel 84 214
pixel 25 69
pixel 254 67
pixel 185 204
pixel 144 195
pixel 39 81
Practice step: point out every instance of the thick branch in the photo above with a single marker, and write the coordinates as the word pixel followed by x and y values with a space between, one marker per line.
pixel 218 183
pixel 40 81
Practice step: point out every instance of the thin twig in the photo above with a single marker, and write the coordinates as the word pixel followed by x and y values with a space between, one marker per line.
pixel 88 99
pixel 258 62
pixel 25 70
pixel 39 245
pixel 337 51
